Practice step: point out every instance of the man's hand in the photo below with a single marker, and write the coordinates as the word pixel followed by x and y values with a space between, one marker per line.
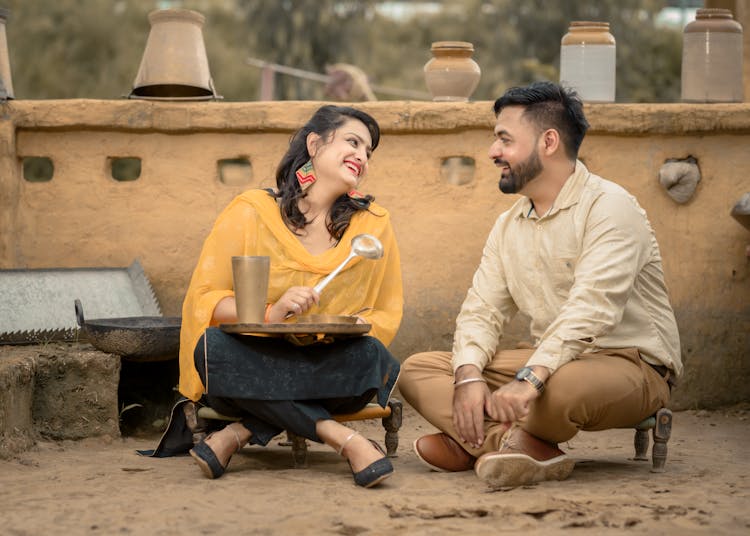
pixel 469 400
pixel 510 402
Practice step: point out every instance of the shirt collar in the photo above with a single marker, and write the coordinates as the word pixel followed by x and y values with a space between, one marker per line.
pixel 568 196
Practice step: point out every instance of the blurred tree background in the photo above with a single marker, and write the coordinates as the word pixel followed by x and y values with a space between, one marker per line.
pixel 92 48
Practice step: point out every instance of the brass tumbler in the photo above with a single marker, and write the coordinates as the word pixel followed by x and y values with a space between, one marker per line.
pixel 250 276
pixel 174 65
pixel 6 84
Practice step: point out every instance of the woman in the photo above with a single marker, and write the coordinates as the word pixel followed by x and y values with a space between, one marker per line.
pixel 305 226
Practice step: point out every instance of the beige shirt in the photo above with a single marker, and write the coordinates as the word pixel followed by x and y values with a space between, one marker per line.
pixel 588 273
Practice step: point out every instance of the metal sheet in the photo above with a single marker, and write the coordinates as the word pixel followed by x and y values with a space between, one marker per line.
pixel 37 305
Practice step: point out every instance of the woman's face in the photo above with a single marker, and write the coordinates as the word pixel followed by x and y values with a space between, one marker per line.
pixel 340 161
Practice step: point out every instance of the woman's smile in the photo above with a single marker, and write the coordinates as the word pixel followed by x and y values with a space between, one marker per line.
pixel 355 167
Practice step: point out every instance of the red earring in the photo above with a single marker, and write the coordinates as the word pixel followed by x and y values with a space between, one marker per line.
pixel 306 175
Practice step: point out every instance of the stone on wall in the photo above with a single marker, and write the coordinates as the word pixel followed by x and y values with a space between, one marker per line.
pixel 680 178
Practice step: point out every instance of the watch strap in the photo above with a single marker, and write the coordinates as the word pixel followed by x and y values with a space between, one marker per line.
pixel 535 382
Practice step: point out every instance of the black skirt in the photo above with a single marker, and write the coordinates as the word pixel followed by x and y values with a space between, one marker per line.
pixel 348 372
pixel 269 368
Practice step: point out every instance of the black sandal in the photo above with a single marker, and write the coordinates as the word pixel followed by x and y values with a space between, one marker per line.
pixel 373 474
pixel 207 460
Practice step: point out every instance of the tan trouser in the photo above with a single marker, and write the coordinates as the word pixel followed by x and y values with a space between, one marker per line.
pixel 612 388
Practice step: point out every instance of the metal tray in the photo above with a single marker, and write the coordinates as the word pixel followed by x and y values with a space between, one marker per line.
pixel 296 329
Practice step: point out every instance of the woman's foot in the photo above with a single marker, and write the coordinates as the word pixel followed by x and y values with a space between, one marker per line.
pixel 360 451
pixel 213 453
pixel 368 462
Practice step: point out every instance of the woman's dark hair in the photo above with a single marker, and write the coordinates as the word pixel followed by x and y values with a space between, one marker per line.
pixel 549 105
pixel 323 122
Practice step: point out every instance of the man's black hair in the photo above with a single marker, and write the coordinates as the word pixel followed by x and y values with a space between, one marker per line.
pixel 549 105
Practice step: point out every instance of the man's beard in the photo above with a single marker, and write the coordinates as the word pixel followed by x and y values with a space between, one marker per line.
pixel 522 174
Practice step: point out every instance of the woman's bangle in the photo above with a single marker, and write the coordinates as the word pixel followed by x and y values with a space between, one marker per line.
pixel 268 312
pixel 468 380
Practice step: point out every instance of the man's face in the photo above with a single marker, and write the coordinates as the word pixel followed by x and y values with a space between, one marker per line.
pixel 515 150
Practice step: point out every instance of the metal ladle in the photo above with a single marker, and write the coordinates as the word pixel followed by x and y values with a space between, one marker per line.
pixel 363 245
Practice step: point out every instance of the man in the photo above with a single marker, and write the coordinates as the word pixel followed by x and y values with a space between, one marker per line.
pixel 578 255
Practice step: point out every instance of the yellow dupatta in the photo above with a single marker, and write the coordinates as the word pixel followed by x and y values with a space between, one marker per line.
pixel 252 225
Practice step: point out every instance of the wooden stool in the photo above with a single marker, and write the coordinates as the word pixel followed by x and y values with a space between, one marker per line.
pixel 661 425
pixel 391 418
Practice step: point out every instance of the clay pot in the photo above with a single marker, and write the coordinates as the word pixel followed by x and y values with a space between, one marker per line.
pixel 6 84
pixel 451 74
pixel 587 61
pixel 712 58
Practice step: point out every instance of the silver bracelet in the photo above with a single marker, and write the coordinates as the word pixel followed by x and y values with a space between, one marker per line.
pixel 468 380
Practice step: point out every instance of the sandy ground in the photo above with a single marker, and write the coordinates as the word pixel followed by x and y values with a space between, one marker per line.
pixel 100 486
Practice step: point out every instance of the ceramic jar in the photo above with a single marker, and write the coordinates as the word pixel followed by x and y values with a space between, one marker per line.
pixel 451 74
pixel 712 58
pixel 588 60
pixel 7 83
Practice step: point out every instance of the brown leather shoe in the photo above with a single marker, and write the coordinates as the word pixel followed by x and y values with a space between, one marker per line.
pixel 441 452
pixel 523 459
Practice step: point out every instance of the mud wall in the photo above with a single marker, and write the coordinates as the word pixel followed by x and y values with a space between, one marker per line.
pixel 56 391
pixel 442 212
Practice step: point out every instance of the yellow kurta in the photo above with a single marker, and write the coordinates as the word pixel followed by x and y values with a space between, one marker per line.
pixel 252 225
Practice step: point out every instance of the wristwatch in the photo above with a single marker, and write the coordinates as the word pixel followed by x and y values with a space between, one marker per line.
pixel 527 375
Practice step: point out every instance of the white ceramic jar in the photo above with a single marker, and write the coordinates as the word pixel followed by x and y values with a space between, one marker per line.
pixel 712 58
pixel 588 60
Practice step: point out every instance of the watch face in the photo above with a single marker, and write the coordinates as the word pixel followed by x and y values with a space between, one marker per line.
pixel 527 374
pixel 521 374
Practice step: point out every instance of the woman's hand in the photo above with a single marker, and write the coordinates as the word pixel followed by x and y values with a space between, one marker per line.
pixel 225 311
pixel 297 300
pixel 361 319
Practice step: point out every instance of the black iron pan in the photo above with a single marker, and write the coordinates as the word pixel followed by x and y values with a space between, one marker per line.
pixel 135 338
